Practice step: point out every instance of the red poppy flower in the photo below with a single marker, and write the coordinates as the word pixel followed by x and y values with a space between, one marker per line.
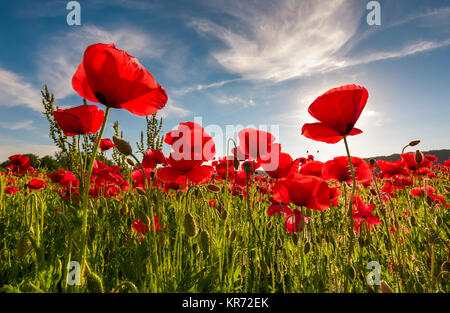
pixel 363 213
pixel 36 184
pixel 152 158
pixel 20 164
pixel 389 169
pixel 222 165
pixel 280 209
pixel 64 178
pixel 11 190
pixel 83 119
pixel 294 222
pixel 420 192
pixel 309 191
pixel 281 166
pixel 256 144
pixel 191 142
pixel 191 169
pixel 431 158
pixel 337 110
pixel 106 144
pixel 411 163
pixel 114 78
pixel 212 203
pixel 339 169
pixel 313 168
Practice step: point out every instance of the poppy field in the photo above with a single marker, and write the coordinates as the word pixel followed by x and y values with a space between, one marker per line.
pixel 255 220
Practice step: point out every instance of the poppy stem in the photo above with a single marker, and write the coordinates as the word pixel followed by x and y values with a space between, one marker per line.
pixel 85 198
pixel 353 177
pixel 350 211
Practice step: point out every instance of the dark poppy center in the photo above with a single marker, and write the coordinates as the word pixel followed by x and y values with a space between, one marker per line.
pixel 101 98
pixel 349 128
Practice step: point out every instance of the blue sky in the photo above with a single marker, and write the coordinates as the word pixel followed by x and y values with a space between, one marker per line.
pixel 249 63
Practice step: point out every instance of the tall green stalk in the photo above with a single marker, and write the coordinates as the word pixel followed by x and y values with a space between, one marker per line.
pixel 85 197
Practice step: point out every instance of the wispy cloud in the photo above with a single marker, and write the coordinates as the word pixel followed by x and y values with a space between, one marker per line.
pixel 172 109
pixel 291 39
pixel 15 90
pixel 60 59
pixel 183 91
pixel 226 100
pixel 17 125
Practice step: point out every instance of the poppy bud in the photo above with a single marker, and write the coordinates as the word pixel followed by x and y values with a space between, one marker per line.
pixel 414 143
pixel 131 162
pixel 140 191
pixel 190 227
pixel 418 157
pixel 122 145
pixel 94 283
pixel 23 246
pixel 385 288
pixel 236 163
pixel 128 287
pixel 247 167
pixel 213 188
pixel 205 242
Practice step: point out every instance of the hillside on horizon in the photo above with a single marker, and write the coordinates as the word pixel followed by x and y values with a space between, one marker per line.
pixel 442 155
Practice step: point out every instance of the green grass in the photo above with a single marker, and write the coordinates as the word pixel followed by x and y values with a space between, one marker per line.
pixel 225 255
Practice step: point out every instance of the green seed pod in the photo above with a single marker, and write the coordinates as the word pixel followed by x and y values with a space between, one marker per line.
pixel 195 248
pixel 264 267
pixel 233 235
pixel 352 273
pixel 445 267
pixel 279 277
pixel 23 246
pixel 140 191
pixel 418 288
pixel 213 188
pixel 131 162
pixel 94 283
pixel 128 287
pixel 307 247
pixel 205 242
pixel 247 167
pixel 190 226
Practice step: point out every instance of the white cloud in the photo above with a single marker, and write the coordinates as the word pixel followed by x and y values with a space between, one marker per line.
pixel 15 90
pixel 40 150
pixel 280 40
pixel 173 110
pixel 183 91
pixel 226 100
pixel 17 125
pixel 60 59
